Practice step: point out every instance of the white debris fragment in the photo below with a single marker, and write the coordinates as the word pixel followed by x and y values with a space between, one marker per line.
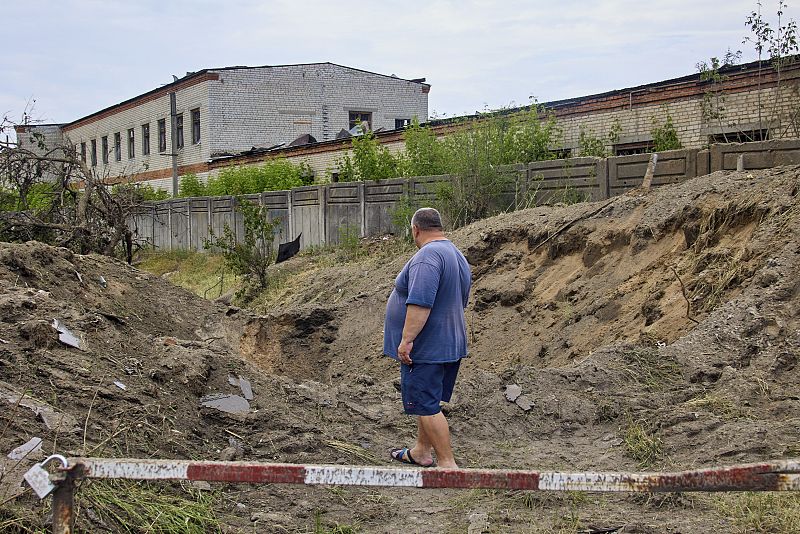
pixel 32 448
pixel 120 385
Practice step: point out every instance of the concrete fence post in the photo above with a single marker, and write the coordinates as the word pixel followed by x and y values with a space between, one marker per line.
pixel 169 223
pixel 290 214
pixel 322 197
pixel 153 227
pixel 601 171
pixel 362 208
pixel 189 244
pixel 209 226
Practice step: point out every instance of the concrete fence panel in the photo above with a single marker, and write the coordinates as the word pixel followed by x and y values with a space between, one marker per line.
pixel 758 155
pixel 560 178
pixel 344 207
pixel 380 200
pixel 673 166
pixel 321 213
pixel 305 215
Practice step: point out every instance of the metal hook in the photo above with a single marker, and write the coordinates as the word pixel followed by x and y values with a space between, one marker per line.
pixel 64 462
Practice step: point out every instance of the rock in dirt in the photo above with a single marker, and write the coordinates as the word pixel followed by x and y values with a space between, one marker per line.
pixel 52 419
pixel 513 391
pixel 478 523
pixel 226 403
pixel 524 402
pixel 271 518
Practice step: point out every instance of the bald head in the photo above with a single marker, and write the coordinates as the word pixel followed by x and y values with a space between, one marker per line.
pixel 427 220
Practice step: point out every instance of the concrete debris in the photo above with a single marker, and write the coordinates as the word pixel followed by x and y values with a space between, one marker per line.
pixel 65 336
pixel 524 402
pixel 478 523
pixel 201 485
pixel 226 403
pixel 512 392
pixel 243 384
pixel 31 449
pixel 52 419
pixel 103 282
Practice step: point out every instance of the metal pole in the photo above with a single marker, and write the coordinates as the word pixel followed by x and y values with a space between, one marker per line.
pixel 64 505
pixel 173 114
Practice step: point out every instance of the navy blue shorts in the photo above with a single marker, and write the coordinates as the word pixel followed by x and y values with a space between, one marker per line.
pixel 424 385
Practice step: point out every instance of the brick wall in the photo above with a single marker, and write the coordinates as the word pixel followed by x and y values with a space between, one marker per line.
pixel 157 165
pixel 266 106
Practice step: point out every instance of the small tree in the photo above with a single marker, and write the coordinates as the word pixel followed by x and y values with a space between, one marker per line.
pixel 665 136
pixel 252 255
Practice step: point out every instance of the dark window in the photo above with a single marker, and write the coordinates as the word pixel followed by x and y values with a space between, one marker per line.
pixel 179 131
pixel 146 139
pixel 740 137
pixel 358 117
pixel 94 152
pixel 83 152
pixel 195 126
pixel 117 147
pixel 104 148
pixel 162 135
pixel 131 144
pixel 562 153
pixel 401 123
pixel 629 149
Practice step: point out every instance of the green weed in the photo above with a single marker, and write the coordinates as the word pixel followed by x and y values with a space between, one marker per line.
pixel 642 443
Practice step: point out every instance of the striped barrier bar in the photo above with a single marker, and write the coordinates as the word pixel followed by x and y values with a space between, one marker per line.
pixel 770 476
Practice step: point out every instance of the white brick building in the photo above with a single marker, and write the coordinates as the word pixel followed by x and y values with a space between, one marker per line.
pixel 227 111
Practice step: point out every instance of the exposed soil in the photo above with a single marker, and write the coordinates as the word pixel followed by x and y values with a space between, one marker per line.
pixel 672 313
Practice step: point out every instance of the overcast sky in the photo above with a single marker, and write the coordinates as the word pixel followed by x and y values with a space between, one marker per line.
pixel 75 57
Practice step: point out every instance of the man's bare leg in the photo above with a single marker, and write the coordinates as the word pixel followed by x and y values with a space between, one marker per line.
pixel 436 432
pixel 422 451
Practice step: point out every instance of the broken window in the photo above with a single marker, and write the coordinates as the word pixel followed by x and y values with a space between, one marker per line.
pixel 146 139
pixel 401 123
pixel 629 149
pixel 195 126
pixel 131 144
pixel 747 136
pixel 357 118
pixel 162 135
pixel 179 131
pixel 117 147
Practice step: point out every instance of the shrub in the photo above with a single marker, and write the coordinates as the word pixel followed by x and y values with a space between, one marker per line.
pixel 254 253
pixel 665 136
pixel 191 186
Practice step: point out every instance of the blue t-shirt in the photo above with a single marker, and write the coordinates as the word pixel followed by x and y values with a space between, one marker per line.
pixel 437 277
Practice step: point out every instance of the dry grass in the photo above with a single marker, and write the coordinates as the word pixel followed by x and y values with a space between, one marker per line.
pixel 775 513
pixel 649 368
pixel 140 507
pixel 720 406
pixel 201 273
pixel 642 442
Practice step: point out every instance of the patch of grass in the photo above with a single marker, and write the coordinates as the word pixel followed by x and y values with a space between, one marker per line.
pixel 336 528
pixel 648 367
pixel 140 507
pixel 776 513
pixel 353 450
pixel 717 405
pixel 642 443
pixel 201 273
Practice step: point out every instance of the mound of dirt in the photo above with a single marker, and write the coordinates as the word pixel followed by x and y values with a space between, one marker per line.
pixel 653 331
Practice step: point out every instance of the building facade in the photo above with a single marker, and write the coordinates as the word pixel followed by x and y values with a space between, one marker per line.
pixel 224 112
pixel 245 116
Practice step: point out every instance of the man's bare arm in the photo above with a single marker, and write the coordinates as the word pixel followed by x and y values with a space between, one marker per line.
pixel 416 317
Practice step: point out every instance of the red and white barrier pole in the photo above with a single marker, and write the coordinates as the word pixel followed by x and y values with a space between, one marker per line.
pixel 774 476
pixel 770 476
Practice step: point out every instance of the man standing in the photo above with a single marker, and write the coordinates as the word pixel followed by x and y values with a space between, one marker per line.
pixel 425 329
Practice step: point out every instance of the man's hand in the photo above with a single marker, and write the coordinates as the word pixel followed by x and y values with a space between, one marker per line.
pixel 404 351
pixel 416 317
